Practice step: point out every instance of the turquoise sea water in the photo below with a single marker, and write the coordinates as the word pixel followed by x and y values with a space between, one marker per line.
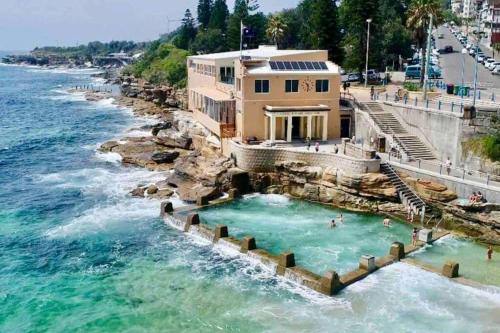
pixel 78 255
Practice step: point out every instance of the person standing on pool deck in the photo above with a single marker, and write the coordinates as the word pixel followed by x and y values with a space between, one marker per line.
pixel 414 237
pixel 490 252
pixel 316 146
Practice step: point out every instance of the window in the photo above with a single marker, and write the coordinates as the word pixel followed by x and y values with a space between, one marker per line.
pixel 322 86
pixel 261 86
pixel 291 86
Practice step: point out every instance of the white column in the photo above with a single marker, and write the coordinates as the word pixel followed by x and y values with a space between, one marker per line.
pixel 325 127
pixel 273 129
pixel 289 129
pixel 266 127
pixel 309 127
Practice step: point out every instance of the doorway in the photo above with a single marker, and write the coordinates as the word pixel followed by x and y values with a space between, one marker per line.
pixel 345 127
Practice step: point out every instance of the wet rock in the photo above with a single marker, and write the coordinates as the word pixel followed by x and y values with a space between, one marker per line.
pixel 138 192
pixel 108 146
pixel 152 189
pixel 165 157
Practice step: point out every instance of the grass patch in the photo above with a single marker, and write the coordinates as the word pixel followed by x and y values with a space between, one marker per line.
pixel 486 146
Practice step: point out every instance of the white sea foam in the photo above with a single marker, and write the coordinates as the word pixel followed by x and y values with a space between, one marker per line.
pixel 65 95
pixel 114 158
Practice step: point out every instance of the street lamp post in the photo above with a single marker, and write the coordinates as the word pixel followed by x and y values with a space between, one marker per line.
pixel 464 52
pixel 367 51
pixel 478 34
pixel 427 57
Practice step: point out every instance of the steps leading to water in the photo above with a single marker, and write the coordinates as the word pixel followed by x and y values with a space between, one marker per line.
pixel 411 144
pixel 406 194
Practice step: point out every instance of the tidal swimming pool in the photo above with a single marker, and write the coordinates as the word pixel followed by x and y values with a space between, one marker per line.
pixel 470 255
pixel 279 224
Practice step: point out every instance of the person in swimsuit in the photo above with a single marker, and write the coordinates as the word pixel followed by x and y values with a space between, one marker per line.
pixel 490 252
pixel 414 237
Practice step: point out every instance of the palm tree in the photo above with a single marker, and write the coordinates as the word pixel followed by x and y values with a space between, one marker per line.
pixel 418 21
pixel 276 29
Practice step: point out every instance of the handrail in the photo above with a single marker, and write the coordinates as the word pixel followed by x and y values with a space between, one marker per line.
pixel 389 136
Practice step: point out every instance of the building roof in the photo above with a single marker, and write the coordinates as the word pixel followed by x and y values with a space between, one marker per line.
pixel 262 52
pixel 266 69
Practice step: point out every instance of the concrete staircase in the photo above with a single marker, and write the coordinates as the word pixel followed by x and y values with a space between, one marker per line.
pixel 406 194
pixel 411 145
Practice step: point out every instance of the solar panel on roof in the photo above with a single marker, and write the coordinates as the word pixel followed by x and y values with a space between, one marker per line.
pixel 298 65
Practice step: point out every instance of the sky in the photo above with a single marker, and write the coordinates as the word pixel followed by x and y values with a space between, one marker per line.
pixel 25 24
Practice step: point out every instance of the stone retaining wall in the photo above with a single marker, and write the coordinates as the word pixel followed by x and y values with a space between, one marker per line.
pixel 263 159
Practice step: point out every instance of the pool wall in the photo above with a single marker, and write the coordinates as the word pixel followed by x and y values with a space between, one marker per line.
pixel 187 220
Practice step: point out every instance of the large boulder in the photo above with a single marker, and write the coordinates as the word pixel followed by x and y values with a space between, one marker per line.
pixel 173 139
pixel 165 157
pixel 430 190
pixel 372 185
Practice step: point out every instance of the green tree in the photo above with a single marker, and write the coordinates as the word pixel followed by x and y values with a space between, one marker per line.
pixel 219 16
pixel 418 21
pixel 325 28
pixel 396 38
pixel 240 14
pixel 210 41
pixel 276 29
pixel 187 32
pixel 244 11
pixel 353 15
pixel 204 12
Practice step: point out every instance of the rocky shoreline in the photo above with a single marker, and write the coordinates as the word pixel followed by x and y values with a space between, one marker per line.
pixel 196 172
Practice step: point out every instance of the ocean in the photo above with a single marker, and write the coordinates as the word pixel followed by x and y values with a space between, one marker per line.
pixel 78 254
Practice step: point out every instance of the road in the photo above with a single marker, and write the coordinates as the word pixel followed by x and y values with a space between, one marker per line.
pixel 451 64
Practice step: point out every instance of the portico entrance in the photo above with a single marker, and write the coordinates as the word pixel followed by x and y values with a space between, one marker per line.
pixel 297 122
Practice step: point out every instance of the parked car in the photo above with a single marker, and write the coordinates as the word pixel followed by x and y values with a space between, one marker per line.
pixel 480 57
pixel 353 77
pixel 488 62
pixel 413 72
pixel 496 71
pixel 485 58
pixel 493 65
pixel 441 36
pixel 472 51
pixel 373 75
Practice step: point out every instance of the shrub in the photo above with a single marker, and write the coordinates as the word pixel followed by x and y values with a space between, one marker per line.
pixel 492 146
pixel 411 86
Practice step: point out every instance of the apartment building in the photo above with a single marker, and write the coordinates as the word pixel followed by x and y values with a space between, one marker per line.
pixel 267 94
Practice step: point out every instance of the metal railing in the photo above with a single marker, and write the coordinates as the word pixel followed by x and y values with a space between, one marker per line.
pixel 440 168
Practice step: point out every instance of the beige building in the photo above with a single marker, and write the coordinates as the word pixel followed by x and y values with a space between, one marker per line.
pixel 267 94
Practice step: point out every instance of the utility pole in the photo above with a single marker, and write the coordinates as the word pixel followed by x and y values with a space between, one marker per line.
pixel 475 58
pixel 427 57
pixel 367 51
